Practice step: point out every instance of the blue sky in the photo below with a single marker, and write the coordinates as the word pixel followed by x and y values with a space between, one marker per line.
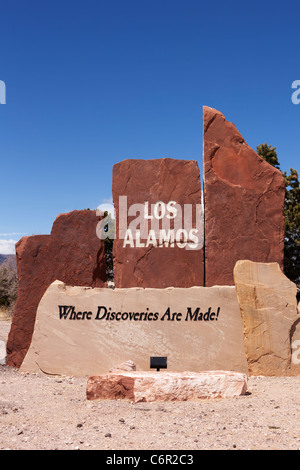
pixel 90 83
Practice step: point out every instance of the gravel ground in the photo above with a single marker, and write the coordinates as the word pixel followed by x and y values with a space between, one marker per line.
pixel 52 413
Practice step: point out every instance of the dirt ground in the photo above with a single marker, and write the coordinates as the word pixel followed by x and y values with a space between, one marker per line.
pixel 52 413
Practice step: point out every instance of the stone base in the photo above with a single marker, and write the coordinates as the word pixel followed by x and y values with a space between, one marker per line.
pixel 152 386
pixel 141 325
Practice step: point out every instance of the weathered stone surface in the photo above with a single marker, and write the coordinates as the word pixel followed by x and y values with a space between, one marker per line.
pixel 166 386
pixel 137 323
pixel 125 366
pixel 268 304
pixel 2 353
pixel 151 181
pixel 72 253
pixel 243 196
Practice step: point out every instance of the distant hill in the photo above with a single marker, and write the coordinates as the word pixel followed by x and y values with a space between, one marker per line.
pixel 11 259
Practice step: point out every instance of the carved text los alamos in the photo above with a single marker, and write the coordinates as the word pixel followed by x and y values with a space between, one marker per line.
pixel 68 312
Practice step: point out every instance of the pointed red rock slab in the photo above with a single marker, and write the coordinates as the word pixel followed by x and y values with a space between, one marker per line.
pixel 72 254
pixel 244 197
pixel 151 181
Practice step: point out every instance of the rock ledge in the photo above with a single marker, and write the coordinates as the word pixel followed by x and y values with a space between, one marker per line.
pixel 143 386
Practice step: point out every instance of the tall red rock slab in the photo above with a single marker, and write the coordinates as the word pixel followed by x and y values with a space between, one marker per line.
pixel 150 197
pixel 243 197
pixel 72 253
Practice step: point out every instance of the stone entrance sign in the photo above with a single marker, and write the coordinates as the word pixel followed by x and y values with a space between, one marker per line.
pixel 82 331
pixel 176 293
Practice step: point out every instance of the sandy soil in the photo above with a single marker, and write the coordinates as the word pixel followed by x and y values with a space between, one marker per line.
pixel 42 412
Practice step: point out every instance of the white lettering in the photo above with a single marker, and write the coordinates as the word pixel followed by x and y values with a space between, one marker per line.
pixel 2 92
pixel 193 238
pixel 296 94
pixel 146 211
pixel 151 240
pixel 128 239
pixel 171 209
pixel 166 238
pixel 179 234
pixel 159 210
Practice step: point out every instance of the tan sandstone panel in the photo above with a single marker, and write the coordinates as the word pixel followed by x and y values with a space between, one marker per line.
pixel 142 323
pixel 158 260
pixel 243 196
pixel 269 311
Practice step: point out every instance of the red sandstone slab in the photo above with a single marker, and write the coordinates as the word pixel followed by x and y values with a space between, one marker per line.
pixel 72 253
pixel 244 197
pixel 146 386
pixel 145 263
